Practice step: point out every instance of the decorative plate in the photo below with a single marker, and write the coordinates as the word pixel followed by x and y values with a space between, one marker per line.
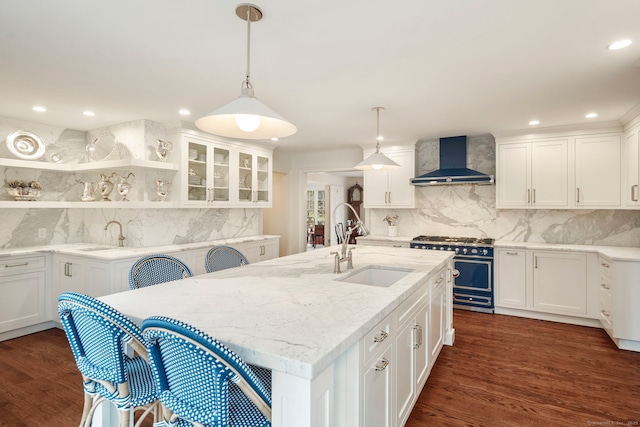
pixel 25 145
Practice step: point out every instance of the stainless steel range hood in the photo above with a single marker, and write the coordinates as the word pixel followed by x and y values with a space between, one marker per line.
pixel 453 166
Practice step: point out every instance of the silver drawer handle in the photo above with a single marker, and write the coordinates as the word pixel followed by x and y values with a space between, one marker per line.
pixel 604 286
pixel 16 265
pixel 417 330
pixel 379 338
pixel 605 312
pixel 511 253
pixel 604 264
pixel 383 365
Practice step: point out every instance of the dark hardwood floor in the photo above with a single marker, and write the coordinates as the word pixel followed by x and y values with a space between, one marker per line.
pixel 502 371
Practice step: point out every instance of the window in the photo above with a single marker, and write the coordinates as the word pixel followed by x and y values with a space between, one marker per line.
pixel 315 207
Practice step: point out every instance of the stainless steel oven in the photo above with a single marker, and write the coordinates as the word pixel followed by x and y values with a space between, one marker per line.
pixel 473 287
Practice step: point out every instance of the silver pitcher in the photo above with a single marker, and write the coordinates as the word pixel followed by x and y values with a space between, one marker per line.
pixel 124 186
pixel 105 186
pixel 163 149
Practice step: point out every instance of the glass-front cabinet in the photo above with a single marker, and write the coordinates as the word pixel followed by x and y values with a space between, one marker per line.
pixel 254 178
pixel 223 174
pixel 206 176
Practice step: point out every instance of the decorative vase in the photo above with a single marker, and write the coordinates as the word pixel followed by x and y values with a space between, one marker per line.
pixel 124 187
pixel 163 148
pixel 105 186
pixel 393 231
pixel 163 189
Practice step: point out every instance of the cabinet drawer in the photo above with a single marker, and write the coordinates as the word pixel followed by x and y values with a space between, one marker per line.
pixel 21 265
pixel 378 338
pixel 406 309
pixel 605 265
pixel 605 314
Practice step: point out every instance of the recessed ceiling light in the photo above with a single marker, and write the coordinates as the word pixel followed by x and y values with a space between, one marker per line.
pixel 620 44
pixel 275 139
pixel 534 122
pixel 184 112
pixel 39 109
pixel 89 113
pixel 591 115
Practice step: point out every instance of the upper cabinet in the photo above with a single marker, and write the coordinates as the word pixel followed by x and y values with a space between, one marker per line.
pixel 598 171
pixel 391 189
pixel 533 174
pixel 563 171
pixel 630 190
pixel 217 173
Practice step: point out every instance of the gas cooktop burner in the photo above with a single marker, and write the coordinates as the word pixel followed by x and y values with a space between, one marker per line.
pixel 455 240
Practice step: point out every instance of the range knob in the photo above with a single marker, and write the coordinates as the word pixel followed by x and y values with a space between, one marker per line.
pixel 474 251
pixel 442 248
pixel 485 252
pixel 457 250
pixel 449 248
pixel 464 250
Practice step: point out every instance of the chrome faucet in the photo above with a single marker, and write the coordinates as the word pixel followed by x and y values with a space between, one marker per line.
pixel 121 236
pixel 346 235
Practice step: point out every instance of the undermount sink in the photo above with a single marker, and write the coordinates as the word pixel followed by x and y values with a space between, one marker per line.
pixel 374 275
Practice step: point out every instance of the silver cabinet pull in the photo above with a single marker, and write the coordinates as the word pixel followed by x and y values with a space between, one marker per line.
pixel 605 286
pixel 380 337
pixel 389 197
pixel 577 195
pixel 67 269
pixel 634 193
pixel 528 196
pixel 417 336
pixel 604 264
pixel 535 262
pixel 605 313
pixel 534 196
pixel 383 365
pixel 511 253
pixel 16 265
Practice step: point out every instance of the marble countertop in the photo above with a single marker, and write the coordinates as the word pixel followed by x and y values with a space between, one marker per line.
pixel 108 253
pixel 289 314
pixel 616 253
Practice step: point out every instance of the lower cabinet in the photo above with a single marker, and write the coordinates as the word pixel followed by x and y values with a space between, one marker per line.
pixel 560 282
pixel 551 282
pixel 255 251
pixel 24 292
pixel 398 354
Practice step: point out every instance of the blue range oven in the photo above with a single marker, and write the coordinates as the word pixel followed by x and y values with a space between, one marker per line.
pixel 473 286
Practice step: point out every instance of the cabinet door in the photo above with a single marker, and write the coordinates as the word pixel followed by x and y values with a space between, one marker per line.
pixel 549 174
pixel 560 282
pixel 262 183
pixel 376 189
pixel 99 281
pixel 436 319
pixel 631 192
pixel 195 175
pixel 377 397
pixel 23 300
pixel 68 276
pixel 511 278
pixel 401 192
pixel 405 370
pixel 598 169
pixel 513 175
pixel 218 179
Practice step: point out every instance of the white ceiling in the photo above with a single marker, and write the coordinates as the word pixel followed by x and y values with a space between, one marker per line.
pixel 440 68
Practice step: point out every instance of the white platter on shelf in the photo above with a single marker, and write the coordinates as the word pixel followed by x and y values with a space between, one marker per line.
pixel 25 145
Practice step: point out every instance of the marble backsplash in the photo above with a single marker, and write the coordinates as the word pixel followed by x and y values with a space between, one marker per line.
pixel 470 210
pixel 142 227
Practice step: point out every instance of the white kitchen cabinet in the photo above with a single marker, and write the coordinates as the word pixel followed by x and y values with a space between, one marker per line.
pixel 625 295
pixel 560 282
pixel 378 366
pixel 533 174
pixel 631 189
pixel 385 243
pixel 598 171
pixel 436 316
pixel 260 250
pixel 79 274
pixel 23 290
pixel 511 278
pixel 254 169
pixel 605 296
pixel 391 188
pixel 412 352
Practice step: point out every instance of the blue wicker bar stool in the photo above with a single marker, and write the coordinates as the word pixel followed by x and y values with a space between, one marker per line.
pixel 97 334
pixel 201 382
pixel 223 257
pixel 154 269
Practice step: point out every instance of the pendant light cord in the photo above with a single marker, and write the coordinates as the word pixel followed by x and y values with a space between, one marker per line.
pixel 377 129
pixel 247 83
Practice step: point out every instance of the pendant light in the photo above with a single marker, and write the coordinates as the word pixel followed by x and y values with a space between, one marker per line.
pixel 246 117
pixel 377 161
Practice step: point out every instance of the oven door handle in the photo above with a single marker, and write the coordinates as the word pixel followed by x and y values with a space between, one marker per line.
pixel 456 273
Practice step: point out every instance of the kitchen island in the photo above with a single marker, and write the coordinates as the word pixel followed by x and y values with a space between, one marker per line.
pixel 295 317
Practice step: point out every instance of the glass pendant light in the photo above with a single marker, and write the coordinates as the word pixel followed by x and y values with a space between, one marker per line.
pixel 377 161
pixel 246 117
